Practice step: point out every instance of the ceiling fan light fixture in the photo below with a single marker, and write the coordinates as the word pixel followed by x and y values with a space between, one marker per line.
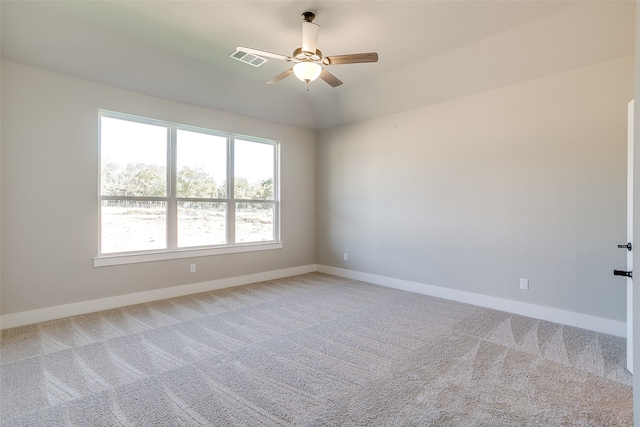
pixel 307 71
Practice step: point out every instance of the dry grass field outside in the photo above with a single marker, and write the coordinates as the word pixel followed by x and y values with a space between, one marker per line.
pixel 145 228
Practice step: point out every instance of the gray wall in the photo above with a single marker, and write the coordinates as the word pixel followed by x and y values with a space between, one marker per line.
pixel 471 194
pixel 49 193
pixel 527 181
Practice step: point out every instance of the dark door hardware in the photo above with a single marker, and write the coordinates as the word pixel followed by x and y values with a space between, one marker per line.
pixel 627 246
pixel 623 273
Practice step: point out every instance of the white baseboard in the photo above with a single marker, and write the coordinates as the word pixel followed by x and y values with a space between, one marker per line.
pixel 584 321
pixel 569 318
pixel 60 311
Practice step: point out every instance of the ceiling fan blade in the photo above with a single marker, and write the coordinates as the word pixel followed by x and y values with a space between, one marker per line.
pixel 354 58
pixel 310 33
pixel 263 53
pixel 330 78
pixel 281 76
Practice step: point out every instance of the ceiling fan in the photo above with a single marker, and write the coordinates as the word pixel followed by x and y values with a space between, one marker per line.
pixel 308 60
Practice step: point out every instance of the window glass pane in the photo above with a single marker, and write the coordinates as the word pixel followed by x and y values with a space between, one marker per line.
pixel 202 224
pixel 133 158
pixel 253 170
pixel 133 225
pixel 254 222
pixel 201 165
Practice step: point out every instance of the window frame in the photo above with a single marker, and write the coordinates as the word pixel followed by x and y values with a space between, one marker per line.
pixel 171 249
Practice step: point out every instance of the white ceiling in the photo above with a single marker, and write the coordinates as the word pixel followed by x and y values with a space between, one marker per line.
pixel 430 51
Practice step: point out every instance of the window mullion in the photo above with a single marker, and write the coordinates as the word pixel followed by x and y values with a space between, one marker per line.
pixel 172 217
pixel 231 205
pixel 276 192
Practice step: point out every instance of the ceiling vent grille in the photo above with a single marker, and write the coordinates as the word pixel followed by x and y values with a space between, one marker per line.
pixel 248 58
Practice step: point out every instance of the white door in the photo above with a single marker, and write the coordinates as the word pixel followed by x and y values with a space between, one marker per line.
pixel 629 245
pixel 630 239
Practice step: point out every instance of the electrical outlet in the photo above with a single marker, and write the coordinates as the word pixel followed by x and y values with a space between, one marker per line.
pixel 524 284
pixel 346 256
pixel 192 268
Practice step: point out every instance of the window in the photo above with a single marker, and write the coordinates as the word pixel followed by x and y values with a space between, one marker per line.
pixel 167 188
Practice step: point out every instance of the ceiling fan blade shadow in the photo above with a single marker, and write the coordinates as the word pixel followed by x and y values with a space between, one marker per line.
pixel 332 80
pixel 263 53
pixel 354 58
pixel 281 76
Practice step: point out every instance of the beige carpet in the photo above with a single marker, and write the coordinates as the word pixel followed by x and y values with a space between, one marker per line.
pixel 311 350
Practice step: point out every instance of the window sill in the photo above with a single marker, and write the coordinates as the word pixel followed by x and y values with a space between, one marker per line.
pixel 107 260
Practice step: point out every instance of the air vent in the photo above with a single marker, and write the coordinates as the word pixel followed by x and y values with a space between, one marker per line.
pixel 248 58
